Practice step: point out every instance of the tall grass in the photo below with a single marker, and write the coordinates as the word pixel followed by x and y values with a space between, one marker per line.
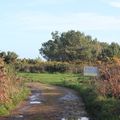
pixel 15 99
pixel 12 90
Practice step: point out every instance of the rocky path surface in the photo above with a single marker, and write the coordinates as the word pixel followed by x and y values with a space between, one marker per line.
pixel 49 103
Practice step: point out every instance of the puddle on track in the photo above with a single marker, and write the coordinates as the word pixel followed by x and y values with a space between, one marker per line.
pixel 73 107
pixel 34 99
pixel 82 118
pixel 17 117
pixel 69 97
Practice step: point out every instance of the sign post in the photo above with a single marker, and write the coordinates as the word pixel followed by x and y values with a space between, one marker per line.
pixel 90 71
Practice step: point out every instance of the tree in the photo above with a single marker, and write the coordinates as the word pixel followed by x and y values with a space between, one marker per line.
pixel 2 54
pixel 69 46
pixel 74 46
pixel 110 51
pixel 115 49
pixel 9 57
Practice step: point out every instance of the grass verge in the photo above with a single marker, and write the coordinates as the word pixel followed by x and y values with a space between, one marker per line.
pixel 15 99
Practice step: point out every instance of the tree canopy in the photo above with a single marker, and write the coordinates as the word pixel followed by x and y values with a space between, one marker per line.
pixel 9 57
pixel 75 45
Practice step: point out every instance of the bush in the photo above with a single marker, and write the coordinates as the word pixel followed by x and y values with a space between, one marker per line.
pixel 109 82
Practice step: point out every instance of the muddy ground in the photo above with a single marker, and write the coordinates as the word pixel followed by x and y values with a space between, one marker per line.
pixel 49 103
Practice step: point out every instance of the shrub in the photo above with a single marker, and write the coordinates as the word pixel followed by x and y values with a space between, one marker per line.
pixel 11 88
pixel 109 81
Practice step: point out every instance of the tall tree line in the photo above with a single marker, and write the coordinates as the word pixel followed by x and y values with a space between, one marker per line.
pixel 75 45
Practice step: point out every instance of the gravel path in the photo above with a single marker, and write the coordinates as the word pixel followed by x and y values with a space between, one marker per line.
pixel 49 103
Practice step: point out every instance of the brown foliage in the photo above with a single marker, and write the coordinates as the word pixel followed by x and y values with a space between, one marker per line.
pixel 109 82
pixel 3 87
pixel 8 84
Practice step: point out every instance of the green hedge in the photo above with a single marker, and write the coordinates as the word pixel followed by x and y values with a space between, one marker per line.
pixel 50 67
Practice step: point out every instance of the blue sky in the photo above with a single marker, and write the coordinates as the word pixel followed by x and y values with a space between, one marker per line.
pixel 26 24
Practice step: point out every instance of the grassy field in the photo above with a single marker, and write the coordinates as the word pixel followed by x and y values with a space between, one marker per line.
pixel 98 107
pixel 56 79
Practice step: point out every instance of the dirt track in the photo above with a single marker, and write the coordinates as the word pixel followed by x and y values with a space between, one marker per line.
pixel 49 103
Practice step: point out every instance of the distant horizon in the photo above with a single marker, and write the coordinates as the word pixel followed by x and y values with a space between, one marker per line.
pixel 25 25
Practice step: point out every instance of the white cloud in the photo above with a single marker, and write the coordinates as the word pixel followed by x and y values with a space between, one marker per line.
pixel 79 21
pixel 112 3
pixel 50 2
pixel 115 4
